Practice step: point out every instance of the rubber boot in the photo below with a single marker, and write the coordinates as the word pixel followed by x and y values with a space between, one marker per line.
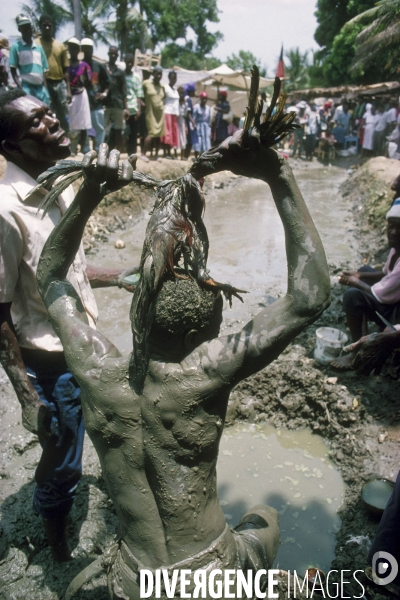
pixel 56 532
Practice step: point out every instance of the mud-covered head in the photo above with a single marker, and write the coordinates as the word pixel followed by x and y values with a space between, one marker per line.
pixel 186 315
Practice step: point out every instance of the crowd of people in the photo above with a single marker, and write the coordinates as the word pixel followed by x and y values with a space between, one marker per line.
pixel 96 101
pixel 371 127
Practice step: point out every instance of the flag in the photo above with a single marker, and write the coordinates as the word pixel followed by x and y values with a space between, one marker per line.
pixel 280 71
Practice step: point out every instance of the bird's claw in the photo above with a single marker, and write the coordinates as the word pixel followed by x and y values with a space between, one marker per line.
pixel 229 291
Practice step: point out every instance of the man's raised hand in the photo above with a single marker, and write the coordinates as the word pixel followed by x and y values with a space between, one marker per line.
pixel 243 153
pixel 107 174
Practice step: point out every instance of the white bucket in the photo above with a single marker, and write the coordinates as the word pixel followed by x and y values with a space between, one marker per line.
pixel 330 342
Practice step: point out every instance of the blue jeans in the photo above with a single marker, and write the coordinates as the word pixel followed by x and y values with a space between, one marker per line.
pixel 38 91
pixel 97 117
pixel 60 466
pixel 58 97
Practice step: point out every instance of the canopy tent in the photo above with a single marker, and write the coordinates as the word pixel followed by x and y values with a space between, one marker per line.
pixel 222 75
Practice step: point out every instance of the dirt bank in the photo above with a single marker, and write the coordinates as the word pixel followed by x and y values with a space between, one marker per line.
pixel 350 412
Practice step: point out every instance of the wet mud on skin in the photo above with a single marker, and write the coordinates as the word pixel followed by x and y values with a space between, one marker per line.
pixel 349 412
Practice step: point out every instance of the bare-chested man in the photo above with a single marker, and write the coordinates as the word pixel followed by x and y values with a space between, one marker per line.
pixel 159 449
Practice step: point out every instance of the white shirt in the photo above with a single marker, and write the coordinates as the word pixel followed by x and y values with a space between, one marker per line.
pixel 381 121
pixel 392 115
pixel 171 101
pixel 23 234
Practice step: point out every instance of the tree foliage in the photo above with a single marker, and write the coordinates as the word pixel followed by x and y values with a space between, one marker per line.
pixel 185 57
pixel 359 41
pixel 171 23
pixel 180 27
pixel 60 15
pixel 93 16
pixel 243 61
pixel 379 36
pixel 296 70
pixel 332 15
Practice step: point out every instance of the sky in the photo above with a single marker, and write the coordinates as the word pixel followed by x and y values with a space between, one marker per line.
pixel 258 26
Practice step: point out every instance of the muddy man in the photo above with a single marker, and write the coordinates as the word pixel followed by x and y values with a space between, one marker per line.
pixel 158 449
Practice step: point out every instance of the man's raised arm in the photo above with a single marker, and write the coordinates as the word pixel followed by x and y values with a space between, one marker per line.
pixel 308 291
pixel 59 296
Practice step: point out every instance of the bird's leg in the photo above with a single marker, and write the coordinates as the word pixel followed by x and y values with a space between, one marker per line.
pixel 226 288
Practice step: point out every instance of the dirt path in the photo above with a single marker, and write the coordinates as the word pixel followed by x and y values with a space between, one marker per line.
pixel 294 392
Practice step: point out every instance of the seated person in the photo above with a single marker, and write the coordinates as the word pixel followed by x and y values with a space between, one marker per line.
pixel 370 354
pixel 339 133
pixel 371 290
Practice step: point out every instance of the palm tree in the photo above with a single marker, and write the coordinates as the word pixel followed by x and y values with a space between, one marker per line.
pixel 58 13
pixel 93 14
pixel 297 72
pixel 381 34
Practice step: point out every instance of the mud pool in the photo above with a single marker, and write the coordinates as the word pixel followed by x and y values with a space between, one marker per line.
pixel 291 471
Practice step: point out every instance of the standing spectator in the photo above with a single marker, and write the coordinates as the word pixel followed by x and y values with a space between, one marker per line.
pixel 80 76
pixel 154 94
pixel 311 130
pixel 142 120
pixel 343 118
pixel 221 125
pixel 369 128
pixel 134 95
pixel 182 125
pixel 30 60
pixel 202 118
pixel 116 99
pixel 192 137
pixel 171 114
pixel 392 116
pixel 379 141
pixel 298 145
pixel 57 77
pixel 5 56
pixel 30 351
pixel 97 93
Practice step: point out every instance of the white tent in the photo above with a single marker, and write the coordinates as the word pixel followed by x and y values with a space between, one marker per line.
pixel 222 75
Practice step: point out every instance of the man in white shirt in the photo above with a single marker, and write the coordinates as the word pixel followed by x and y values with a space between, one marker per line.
pixel 30 351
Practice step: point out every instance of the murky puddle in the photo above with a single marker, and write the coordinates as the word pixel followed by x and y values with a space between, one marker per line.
pixel 291 471
pixel 288 470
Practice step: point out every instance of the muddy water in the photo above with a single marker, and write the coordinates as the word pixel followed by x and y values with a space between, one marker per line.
pixel 290 471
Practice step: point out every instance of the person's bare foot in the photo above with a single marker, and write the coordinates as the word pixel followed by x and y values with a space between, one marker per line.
pixel 343 363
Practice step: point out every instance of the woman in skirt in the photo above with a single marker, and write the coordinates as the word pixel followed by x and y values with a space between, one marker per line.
pixel 202 118
pixel 80 77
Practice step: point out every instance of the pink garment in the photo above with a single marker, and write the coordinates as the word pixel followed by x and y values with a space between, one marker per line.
pixel 171 136
pixel 387 290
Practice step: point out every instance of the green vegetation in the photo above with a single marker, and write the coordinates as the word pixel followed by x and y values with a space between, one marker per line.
pixel 179 28
pixel 359 42
pixel 243 61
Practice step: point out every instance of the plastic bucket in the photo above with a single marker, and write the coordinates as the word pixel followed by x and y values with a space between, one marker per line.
pixel 330 342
